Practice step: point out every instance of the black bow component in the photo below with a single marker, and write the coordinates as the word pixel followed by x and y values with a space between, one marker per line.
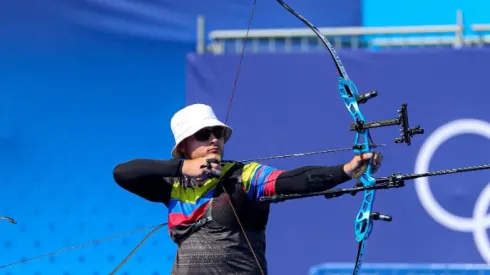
pixel 8 219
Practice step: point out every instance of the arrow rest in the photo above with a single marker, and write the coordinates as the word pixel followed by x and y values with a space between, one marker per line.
pixel 361 146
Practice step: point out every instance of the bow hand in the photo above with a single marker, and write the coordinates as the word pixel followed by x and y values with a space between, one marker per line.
pixel 359 164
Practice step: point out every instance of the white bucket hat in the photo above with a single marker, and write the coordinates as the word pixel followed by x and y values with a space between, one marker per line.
pixel 190 120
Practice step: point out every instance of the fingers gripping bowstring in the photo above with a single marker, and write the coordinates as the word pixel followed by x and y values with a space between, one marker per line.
pixel 226 121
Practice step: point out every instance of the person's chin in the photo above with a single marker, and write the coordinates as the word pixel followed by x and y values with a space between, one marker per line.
pixel 215 155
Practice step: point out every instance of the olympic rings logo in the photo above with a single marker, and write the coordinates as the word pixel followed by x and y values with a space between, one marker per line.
pixel 480 222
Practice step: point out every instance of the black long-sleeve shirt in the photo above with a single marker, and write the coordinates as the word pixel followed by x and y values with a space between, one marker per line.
pixel 148 178
pixel 200 217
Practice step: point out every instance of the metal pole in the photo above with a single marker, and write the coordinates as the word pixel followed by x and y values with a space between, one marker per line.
pixel 458 43
pixel 200 33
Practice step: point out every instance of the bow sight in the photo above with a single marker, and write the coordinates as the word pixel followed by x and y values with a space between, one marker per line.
pixel 406 133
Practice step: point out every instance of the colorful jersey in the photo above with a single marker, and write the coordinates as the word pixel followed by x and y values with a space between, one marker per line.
pixel 202 222
pixel 187 205
pixel 201 219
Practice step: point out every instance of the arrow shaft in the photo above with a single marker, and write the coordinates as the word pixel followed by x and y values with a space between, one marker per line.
pixel 308 153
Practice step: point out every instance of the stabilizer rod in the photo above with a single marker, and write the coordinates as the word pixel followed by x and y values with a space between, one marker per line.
pixel 393 181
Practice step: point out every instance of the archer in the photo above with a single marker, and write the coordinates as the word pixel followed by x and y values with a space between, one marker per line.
pixel 214 214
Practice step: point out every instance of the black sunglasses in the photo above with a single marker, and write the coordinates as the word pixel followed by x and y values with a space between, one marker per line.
pixel 205 134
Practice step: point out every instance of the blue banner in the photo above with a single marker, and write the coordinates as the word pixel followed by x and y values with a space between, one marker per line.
pixel 286 103
pixel 164 20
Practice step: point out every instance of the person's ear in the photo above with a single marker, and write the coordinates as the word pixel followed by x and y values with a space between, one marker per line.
pixel 182 147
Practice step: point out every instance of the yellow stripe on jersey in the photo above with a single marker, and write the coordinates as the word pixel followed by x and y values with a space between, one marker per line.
pixel 191 195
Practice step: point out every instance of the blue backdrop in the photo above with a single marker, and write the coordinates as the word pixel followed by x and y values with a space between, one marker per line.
pixel 67 117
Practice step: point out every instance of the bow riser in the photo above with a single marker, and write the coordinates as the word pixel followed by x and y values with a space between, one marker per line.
pixel 349 94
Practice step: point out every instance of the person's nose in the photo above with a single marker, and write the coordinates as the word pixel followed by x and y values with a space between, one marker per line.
pixel 213 138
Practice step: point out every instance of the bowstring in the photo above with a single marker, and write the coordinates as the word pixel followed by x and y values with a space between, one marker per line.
pixel 226 121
